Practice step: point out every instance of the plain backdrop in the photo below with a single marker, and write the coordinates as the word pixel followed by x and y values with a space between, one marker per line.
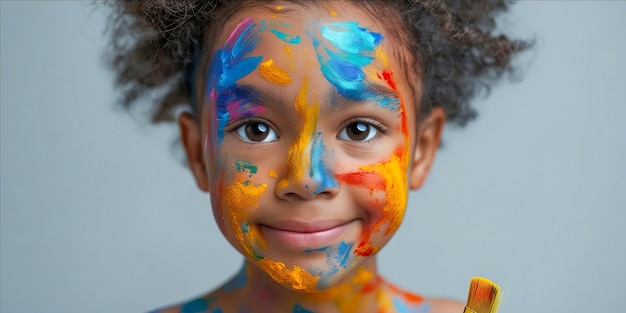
pixel 99 215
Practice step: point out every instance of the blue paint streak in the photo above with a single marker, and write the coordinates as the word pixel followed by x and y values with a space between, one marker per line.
pixel 357 59
pixel 195 306
pixel 343 253
pixel 237 70
pixel 228 66
pixel 348 36
pixel 286 37
pixel 343 66
pixel 318 172
pixel 299 309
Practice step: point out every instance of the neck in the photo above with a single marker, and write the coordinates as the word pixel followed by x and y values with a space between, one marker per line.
pixel 362 290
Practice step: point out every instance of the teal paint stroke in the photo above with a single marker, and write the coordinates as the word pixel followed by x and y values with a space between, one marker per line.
pixel 286 37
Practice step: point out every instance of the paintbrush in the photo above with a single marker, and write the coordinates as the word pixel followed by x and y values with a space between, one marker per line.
pixel 484 296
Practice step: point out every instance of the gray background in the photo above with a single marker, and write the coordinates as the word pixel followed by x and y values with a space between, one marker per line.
pixel 99 216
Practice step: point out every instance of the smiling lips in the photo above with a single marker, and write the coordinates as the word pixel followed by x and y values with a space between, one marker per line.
pixel 305 236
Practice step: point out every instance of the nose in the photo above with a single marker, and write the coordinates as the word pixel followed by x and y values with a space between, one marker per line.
pixel 309 174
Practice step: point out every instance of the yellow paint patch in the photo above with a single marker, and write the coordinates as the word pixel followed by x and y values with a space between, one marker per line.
pixel 385 302
pixel 333 13
pixel 274 73
pixel 296 277
pixel 362 276
pixel 288 51
pixel 372 73
pixel 297 156
pixel 381 56
pixel 273 174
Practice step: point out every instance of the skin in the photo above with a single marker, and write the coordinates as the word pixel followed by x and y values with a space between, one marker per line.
pixel 313 168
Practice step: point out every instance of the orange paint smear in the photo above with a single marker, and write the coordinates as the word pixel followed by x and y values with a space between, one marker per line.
pixel 394 173
pixel 296 277
pixel 410 297
pixel 274 73
pixel 371 286
pixel 239 197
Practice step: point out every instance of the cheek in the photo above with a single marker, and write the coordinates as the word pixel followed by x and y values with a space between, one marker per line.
pixel 238 195
pixel 385 201
pixel 386 183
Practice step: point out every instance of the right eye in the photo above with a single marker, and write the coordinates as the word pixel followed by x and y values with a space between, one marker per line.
pixel 256 132
pixel 359 131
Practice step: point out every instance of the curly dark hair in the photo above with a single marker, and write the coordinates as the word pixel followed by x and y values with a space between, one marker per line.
pixel 457 50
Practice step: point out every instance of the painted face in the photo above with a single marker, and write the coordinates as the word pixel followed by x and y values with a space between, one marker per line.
pixel 308 142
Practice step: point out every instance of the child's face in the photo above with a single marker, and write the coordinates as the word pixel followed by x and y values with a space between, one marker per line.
pixel 308 123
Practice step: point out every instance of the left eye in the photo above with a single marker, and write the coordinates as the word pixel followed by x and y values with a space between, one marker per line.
pixel 256 132
pixel 358 131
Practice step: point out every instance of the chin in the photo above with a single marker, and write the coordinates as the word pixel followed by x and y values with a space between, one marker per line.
pixel 332 266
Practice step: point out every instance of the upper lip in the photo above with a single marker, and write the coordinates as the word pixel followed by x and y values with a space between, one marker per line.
pixel 306 227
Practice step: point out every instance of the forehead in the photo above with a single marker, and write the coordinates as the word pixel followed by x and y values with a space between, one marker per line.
pixel 295 39
pixel 297 25
pixel 303 37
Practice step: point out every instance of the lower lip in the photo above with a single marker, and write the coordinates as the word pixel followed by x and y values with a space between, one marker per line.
pixel 304 241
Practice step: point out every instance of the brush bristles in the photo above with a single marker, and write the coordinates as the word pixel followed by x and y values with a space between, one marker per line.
pixel 484 296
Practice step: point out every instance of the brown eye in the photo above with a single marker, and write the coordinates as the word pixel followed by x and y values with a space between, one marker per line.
pixel 256 132
pixel 358 132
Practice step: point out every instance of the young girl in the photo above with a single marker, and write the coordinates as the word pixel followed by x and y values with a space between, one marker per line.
pixel 308 122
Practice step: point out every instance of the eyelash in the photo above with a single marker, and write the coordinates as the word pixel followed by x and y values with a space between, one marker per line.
pixel 237 124
pixel 380 127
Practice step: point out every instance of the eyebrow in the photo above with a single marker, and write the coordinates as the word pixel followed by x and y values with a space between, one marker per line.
pixel 250 94
pixel 377 95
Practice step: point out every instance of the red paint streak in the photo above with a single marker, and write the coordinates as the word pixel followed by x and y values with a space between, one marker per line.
pixel 410 297
pixel 364 248
pixel 371 180
pixel 388 78
pixel 399 152
pixel 371 286
pixel 368 288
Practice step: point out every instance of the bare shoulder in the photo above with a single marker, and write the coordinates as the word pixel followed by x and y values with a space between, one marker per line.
pixel 439 305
